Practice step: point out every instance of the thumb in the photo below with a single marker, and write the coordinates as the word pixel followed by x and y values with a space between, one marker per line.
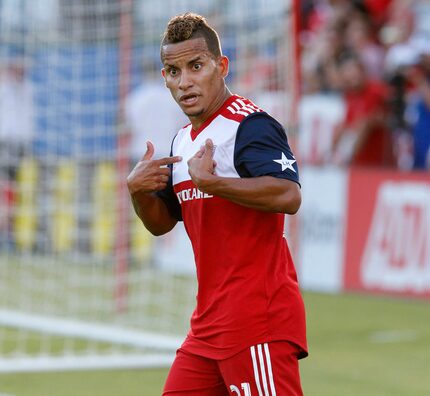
pixel 200 153
pixel 149 151
pixel 209 148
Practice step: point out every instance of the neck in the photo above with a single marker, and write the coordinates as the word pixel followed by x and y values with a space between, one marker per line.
pixel 197 121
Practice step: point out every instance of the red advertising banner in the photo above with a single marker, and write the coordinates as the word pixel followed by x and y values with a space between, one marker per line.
pixel 388 233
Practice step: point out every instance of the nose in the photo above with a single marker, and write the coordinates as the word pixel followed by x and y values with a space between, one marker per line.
pixel 185 81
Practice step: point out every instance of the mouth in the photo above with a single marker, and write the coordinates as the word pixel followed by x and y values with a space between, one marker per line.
pixel 188 99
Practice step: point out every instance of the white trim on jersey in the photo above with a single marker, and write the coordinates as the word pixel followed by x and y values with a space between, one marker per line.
pixel 249 105
pixel 261 361
pixel 240 107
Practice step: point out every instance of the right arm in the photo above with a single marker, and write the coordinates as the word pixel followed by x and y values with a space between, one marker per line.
pixel 148 177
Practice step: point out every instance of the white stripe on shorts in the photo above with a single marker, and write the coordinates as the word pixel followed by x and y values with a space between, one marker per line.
pixel 263 370
pixel 269 369
pixel 256 374
pixel 261 360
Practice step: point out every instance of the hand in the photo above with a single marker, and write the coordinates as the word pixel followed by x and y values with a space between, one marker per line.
pixel 150 175
pixel 201 166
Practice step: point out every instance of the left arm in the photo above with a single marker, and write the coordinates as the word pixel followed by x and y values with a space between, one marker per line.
pixel 265 193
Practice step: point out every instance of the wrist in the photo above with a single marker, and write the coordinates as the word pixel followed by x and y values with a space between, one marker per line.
pixel 207 184
pixel 135 190
pixel 141 196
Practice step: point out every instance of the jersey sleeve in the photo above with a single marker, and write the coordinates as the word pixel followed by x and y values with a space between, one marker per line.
pixel 262 149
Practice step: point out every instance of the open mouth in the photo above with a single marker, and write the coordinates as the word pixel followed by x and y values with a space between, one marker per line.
pixel 189 100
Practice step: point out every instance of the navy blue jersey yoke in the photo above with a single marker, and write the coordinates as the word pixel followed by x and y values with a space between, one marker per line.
pixel 262 149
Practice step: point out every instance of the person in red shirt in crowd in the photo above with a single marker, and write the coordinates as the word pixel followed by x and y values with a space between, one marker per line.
pixel 418 75
pixel 359 38
pixel 363 138
pixel 378 9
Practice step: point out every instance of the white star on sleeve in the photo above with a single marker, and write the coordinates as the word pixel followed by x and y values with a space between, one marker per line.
pixel 286 163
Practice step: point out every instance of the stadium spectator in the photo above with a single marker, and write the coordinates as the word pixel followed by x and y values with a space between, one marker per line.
pixel 418 76
pixel 258 74
pixel 152 114
pixel 16 132
pixel 378 11
pixel 16 97
pixel 399 23
pixel 363 137
pixel 359 38
pixel 231 179
pixel 320 58
pixel 396 36
pixel 382 36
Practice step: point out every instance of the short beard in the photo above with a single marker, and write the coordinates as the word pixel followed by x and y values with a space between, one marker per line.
pixel 196 114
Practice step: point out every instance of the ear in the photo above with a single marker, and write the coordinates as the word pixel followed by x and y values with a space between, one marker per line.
pixel 163 73
pixel 223 64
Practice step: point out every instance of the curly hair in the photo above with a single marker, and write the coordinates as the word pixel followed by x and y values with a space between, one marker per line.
pixel 189 26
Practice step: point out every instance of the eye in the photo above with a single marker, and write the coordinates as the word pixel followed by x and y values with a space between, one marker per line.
pixel 173 72
pixel 197 66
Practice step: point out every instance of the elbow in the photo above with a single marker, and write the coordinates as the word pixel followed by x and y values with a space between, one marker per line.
pixel 157 232
pixel 291 202
pixel 294 205
pixel 158 229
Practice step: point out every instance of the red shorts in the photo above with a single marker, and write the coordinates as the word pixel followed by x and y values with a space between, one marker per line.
pixel 270 369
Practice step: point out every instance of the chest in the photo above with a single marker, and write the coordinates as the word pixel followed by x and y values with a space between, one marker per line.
pixel 222 132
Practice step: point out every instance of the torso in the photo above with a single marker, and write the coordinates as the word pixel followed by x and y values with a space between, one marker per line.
pixel 247 285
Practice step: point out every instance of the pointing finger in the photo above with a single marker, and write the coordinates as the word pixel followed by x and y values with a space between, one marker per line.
pixel 168 160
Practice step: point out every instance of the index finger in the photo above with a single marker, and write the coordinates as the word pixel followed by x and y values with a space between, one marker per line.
pixel 168 160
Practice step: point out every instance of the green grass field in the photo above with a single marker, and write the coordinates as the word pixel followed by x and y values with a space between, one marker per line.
pixel 359 345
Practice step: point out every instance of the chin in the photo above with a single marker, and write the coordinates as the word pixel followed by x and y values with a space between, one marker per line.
pixel 193 113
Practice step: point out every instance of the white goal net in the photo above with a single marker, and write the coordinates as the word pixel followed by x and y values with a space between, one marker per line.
pixel 82 283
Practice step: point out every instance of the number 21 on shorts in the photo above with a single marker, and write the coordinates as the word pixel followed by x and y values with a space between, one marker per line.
pixel 246 389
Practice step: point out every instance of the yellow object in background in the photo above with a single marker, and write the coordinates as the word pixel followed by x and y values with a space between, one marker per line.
pixel 64 221
pixel 141 241
pixel 105 205
pixel 104 208
pixel 25 218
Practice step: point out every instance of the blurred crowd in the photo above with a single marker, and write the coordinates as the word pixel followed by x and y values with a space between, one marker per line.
pixel 375 54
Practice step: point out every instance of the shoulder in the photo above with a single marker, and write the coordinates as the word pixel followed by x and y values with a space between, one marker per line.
pixel 260 125
pixel 262 149
pixel 378 88
pixel 239 108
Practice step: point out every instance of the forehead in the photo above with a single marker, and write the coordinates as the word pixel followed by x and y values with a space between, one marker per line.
pixel 351 65
pixel 185 50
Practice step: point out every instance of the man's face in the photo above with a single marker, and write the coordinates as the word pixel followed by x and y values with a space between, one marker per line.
pixel 194 77
pixel 352 76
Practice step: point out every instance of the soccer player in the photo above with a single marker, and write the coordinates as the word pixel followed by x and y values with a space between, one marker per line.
pixel 231 178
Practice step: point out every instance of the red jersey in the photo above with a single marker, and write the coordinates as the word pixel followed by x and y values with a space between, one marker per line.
pixel 247 285
pixel 377 148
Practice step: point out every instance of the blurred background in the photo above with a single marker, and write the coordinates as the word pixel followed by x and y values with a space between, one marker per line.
pixel 85 289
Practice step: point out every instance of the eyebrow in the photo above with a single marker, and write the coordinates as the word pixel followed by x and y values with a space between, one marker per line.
pixel 197 58
pixel 193 60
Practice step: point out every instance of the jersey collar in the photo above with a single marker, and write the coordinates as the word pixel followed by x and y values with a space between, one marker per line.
pixel 228 101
